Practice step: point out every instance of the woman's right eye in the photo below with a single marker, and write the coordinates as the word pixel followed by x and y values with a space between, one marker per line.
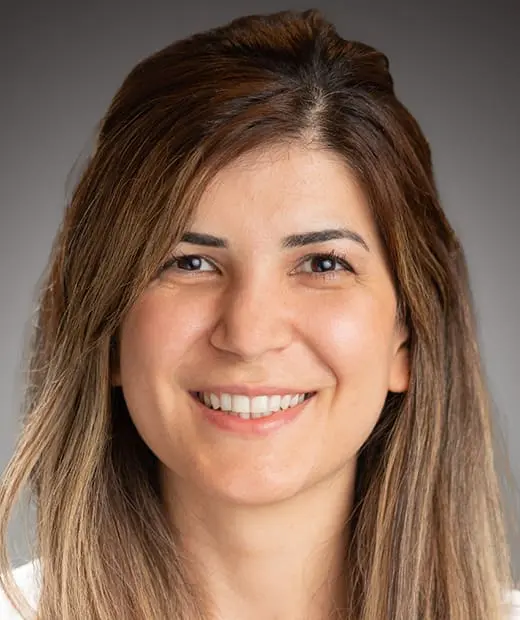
pixel 188 262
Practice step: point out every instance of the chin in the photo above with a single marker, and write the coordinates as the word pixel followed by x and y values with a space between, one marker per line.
pixel 255 490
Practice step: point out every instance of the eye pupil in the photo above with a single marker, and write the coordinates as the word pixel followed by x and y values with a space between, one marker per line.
pixel 190 263
pixel 326 263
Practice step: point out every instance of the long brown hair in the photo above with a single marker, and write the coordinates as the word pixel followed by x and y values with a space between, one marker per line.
pixel 428 534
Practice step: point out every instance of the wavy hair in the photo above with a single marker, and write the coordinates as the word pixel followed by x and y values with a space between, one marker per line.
pixel 428 532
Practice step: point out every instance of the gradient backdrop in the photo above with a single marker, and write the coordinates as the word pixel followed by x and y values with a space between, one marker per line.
pixel 455 65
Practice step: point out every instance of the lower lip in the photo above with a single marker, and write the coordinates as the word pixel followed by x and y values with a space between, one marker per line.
pixel 252 426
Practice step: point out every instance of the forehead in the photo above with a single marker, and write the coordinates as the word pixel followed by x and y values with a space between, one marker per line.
pixel 284 189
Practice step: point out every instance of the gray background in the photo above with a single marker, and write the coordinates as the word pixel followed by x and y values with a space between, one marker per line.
pixel 455 64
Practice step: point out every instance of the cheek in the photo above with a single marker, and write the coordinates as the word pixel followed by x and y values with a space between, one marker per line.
pixel 355 336
pixel 156 339
pixel 160 331
pixel 355 343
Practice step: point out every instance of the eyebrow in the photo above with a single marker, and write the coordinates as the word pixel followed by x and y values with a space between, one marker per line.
pixel 292 241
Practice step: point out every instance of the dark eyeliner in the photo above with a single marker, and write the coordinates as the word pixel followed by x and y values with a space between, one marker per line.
pixel 332 255
pixel 175 259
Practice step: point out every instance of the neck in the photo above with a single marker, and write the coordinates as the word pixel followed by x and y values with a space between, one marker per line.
pixel 279 561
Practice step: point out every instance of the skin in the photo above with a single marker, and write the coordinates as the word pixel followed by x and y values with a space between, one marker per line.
pixel 265 515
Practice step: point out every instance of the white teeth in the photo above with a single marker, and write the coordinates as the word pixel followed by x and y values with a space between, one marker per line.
pixel 274 403
pixel 225 402
pixel 245 407
pixel 240 404
pixel 286 402
pixel 259 404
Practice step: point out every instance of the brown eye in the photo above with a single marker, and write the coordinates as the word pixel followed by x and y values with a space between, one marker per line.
pixel 188 262
pixel 326 263
pixel 323 263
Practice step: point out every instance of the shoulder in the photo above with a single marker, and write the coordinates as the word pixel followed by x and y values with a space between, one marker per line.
pixel 27 577
pixel 514 599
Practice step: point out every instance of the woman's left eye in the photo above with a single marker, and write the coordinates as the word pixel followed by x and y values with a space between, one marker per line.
pixel 326 264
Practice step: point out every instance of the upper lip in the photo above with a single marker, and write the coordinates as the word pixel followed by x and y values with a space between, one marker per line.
pixel 248 390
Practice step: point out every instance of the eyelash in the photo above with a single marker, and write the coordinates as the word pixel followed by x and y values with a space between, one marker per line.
pixel 333 255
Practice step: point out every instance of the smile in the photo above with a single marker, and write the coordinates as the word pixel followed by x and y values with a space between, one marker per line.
pixel 246 407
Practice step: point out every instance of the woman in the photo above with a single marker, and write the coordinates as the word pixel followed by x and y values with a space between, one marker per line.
pixel 255 389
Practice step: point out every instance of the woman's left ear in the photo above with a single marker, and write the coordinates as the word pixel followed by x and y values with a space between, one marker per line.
pixel 399 379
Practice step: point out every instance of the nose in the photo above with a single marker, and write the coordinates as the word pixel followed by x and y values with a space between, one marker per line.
pixel 253 319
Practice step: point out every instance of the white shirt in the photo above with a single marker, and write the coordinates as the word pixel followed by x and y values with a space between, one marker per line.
pixel 27 578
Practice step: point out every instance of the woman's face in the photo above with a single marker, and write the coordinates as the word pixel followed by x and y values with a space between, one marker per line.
pixel 264 317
